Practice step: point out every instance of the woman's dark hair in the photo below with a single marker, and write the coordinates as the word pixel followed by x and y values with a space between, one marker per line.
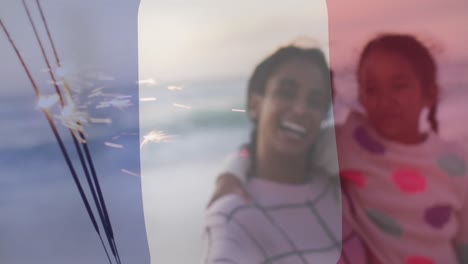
pixel 263 72
pixel 417 55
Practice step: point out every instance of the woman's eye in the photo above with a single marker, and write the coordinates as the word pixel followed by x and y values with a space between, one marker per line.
pixel 317 103
pixel 286 93
pixel 287 89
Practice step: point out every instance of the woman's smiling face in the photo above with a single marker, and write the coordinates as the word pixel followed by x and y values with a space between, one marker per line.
pixel 289 113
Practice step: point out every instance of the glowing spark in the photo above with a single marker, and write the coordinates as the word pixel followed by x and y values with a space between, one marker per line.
pixel 238 110
pixel 147 99
pixel 94 94
pixel 147 81
pixel 130 173
pixel 174 88
pixel 103 105
pixel 182 106
pixel 116 96
pixel 155 137
pixel 45 102
pixel 113 145
pixel 95 90
pixel 131 134
pixel 117 103
pixel 71 118
pixel 101 120
pixel 123 96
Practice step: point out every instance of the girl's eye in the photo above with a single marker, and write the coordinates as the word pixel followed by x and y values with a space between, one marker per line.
pixel 371 90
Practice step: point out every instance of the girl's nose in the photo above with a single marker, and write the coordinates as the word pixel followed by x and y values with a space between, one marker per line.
pixel 386 99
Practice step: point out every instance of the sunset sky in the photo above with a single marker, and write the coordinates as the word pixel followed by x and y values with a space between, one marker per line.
pixel 213 39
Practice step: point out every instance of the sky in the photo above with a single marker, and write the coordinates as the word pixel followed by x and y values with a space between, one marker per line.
pixel 88 34
pixel 215 39
pixel 184 40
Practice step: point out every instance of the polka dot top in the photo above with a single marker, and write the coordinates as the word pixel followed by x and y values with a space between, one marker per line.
pixel 408 202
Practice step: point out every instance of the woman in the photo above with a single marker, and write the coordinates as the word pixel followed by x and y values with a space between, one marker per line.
pixel 294 213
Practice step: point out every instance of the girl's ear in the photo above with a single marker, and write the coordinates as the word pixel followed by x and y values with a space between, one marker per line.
pixel 255 106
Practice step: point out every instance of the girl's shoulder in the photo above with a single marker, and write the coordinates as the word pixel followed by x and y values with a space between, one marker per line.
pixel 441 145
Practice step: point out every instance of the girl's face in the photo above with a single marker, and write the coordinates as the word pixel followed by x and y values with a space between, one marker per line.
pixel 393 96
pixel 290 112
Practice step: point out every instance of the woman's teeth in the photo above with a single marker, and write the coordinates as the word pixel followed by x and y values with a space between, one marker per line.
pixel 294 128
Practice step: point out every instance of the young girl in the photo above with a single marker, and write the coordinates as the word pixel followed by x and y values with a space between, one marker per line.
pixel 294 214
pixel 405 192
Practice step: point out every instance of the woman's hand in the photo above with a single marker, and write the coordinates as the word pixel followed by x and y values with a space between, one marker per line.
pixel 228 184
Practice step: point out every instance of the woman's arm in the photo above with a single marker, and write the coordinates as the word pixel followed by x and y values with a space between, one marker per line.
pixel 232 177
pixel 228 183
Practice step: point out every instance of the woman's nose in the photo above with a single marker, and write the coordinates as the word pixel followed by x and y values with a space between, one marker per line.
pixel 301 107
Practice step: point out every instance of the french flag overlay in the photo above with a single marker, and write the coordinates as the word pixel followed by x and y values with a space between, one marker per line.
pixel 119 116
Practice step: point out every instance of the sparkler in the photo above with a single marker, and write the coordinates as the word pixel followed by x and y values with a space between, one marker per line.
pixel 118 103
pixel 57 137
pixel 238 110
pixel 71 119
pixel 100 203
